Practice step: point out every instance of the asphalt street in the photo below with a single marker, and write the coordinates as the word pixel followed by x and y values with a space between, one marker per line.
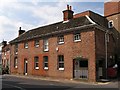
pixel 20 83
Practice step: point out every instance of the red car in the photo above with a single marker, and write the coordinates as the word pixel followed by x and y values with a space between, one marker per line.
pixel 112 71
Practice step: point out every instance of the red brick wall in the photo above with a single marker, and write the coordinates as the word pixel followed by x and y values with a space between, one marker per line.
pixel 70 50
pixel 111 8
pixel 5 58
pixel 12 69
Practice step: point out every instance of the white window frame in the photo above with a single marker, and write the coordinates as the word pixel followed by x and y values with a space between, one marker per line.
pixel 45 46
pixel 36 43
pixel 110 24
pixel 60 62
pixel 45 63
pixel 26 45
pixel 36 67
pixel 77 37
pixel 61 39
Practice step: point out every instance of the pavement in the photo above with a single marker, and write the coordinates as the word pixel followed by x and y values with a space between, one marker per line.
pixel 64 80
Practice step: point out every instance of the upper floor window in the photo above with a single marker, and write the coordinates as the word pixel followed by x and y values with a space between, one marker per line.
pixel 16 62
pixel 110 24
pixel 45 46
pixel 26 45
pixel 61 39
pixel 60 62
pixel 16 48
pixel 45 58
pixel 36 43
pixel 77 37
pixel 36 62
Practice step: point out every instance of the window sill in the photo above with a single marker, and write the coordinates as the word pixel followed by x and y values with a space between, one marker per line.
pixel 77 40
pixel 36 68
pixel 61 69
pixel 16 67
pixel 16 53
pixel 45 68
pixel 59 43
pixel 26 47
pixel 46 50
pixel 37 46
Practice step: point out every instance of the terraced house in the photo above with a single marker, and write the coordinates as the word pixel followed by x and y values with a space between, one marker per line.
pixel 81 46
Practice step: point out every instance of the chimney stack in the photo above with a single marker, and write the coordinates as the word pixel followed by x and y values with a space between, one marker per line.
pixel 20 31
pixel 4 43
pixel 70 7
pixel 67 7
pixel 68 14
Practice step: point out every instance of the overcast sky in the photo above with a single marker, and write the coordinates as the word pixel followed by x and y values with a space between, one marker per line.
pixel 33 14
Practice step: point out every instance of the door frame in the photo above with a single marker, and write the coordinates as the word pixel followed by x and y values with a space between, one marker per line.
pixel 79 70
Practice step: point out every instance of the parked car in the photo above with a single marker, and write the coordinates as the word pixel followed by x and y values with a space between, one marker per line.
pixel 112 71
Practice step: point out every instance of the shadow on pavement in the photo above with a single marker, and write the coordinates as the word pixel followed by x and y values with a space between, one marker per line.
pixel 11 85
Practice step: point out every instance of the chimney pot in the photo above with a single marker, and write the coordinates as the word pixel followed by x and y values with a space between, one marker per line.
pixel 19 28
pixel 67 7
pixel 68 14
pixel 20 31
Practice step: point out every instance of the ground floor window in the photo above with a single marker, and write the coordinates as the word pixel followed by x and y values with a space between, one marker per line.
pixel 36 62
pixel 16 62
pixel 60 62
pixel 45 62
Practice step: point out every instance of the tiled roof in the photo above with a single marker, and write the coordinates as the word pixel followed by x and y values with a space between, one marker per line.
pixel 56 27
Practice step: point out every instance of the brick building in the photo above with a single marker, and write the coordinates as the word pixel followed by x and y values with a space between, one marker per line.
pixel 113 16
pixel 5 55
pixel 81 47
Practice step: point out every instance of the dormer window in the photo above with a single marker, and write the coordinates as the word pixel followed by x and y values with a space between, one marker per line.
pixel 26 45
pixel 61 39
pixel 110 24
pixel 36 43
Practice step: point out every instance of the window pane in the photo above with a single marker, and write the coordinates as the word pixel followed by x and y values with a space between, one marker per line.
pixel 45 61
pixel 45 44
pixel 26 45
pixel 45 58
pixel 60 39
pixel 61 61
pixel 46 65
pixel 83 63
pixel 15 62
pixel 77 37
pixel 37 65
pixel 61 65
pixel 36 62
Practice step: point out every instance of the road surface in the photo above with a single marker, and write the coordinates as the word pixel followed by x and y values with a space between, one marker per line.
pixel 20 83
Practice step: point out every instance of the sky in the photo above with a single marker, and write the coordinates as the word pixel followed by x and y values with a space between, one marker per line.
pixel 30 14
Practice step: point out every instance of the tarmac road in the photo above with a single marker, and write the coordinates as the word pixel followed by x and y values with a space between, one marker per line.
pixel 22 83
